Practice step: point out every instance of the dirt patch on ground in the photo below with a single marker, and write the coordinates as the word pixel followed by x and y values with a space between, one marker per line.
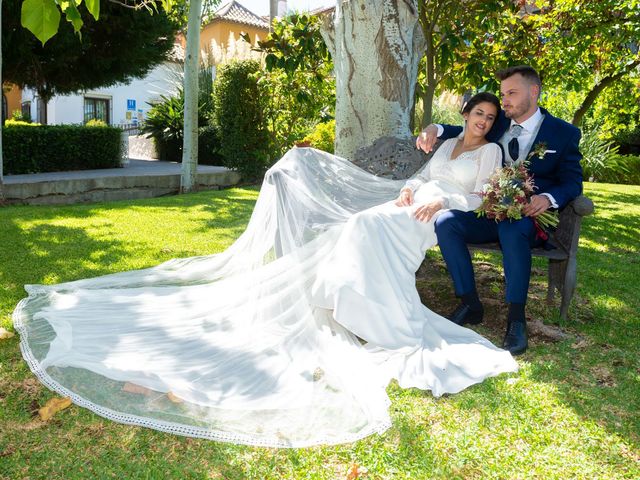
pixel 436 292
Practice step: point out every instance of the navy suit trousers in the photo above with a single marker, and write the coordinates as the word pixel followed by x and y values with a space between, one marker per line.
pixel 455 229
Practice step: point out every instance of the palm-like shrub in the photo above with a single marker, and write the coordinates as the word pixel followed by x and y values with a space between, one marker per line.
pixel 165 124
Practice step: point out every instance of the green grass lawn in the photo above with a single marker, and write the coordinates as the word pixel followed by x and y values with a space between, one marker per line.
pixel 572 411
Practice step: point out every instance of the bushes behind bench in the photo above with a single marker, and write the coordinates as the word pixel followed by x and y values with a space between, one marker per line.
pixel 55 148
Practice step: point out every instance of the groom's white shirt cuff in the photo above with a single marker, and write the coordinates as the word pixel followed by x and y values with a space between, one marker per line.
pixel 551 199
pixel 440 129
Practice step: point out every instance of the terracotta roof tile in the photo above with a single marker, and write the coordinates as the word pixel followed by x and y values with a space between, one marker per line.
pixel 235 12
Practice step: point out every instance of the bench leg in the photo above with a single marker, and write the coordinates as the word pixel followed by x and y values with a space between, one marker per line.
pixel 568 287
pixel 557 272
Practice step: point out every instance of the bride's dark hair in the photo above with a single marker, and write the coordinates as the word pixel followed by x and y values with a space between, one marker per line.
pixel 479 98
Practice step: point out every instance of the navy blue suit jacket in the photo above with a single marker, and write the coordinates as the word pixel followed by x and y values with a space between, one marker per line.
pixel 558 173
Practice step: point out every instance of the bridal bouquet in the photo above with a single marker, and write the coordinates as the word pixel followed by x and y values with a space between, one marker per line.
pixel 506 194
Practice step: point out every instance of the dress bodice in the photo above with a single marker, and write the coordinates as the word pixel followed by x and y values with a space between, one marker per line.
pixel 460 172
pixel 459 179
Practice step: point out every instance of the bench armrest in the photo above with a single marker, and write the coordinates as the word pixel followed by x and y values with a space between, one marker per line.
pixel 582 206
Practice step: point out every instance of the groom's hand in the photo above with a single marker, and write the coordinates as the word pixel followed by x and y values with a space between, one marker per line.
pixel 427 138
pixel 537 205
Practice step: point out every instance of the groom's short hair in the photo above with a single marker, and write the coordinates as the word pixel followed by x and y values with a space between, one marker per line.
pixel 526 71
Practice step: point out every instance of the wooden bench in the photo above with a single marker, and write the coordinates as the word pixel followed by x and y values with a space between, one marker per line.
pixel 398 158
pixel 562 259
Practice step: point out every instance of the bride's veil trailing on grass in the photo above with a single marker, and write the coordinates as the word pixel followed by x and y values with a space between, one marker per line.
pixel 224 346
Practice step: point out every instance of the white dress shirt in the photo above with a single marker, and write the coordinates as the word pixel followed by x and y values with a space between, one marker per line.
pixel 529 127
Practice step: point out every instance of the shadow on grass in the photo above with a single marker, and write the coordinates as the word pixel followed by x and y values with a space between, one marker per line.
pixel 598 382
pixel 613 230
pixel 47 253
pixel 233 212
pixel 604 197
pixel 34 249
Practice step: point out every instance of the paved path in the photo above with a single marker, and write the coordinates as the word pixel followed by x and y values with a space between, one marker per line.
pixel 133 169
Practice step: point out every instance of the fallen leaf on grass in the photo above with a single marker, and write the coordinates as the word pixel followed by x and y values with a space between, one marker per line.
pixel 4 333
pixel 53 406
pixel 485 266
pixel 9 450
pixel 134 388
pixel 356 471
pixel 31 386
pixel 174 398
pixel 581 344
pixel 630 454
pixel 603 376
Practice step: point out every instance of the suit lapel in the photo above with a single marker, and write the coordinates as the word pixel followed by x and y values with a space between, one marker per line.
pixel 545 132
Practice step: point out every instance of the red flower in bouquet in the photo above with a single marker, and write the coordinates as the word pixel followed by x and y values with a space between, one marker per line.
pixel 507 192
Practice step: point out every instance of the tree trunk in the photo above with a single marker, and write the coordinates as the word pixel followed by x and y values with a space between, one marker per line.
pixel 428 25
pixel 273 13
pixel 429 90
pixel 44 97
pixel 597 89
pixel 188 180
pixel 427 104
pixel 376 47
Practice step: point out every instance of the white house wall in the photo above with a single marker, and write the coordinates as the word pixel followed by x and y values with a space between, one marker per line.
pixel 68 109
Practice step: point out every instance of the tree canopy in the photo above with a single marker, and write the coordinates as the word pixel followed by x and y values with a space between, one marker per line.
pixel 122 45
pixel 587 46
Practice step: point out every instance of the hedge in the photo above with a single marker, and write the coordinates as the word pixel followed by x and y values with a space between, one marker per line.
pixel 239 117
pixel 55 148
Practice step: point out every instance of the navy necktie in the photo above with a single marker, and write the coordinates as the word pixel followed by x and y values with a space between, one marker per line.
pixel 514 145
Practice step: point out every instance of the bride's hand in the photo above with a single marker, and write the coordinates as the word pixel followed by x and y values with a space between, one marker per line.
pixel 425 212
pixel 405 199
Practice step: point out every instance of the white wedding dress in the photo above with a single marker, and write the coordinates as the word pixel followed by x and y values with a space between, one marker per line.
pixel 243 346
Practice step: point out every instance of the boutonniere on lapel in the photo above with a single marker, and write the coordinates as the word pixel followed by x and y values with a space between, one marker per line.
pixel 539 150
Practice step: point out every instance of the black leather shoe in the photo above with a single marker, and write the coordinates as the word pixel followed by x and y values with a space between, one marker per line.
pixel 515 340
pixel 463 315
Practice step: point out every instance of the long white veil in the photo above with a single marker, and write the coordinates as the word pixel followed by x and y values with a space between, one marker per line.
pixel 224 346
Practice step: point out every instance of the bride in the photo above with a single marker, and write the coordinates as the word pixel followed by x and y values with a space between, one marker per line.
pixel 290 336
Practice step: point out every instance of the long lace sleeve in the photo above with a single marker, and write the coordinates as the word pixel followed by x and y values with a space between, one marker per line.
pixel 489 159
pixel 417 180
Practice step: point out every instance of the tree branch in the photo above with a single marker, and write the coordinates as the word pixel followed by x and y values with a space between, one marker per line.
pixel 598 88
pixel 137 5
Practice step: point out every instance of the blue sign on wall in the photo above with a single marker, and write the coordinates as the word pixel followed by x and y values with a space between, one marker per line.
pixel 131 104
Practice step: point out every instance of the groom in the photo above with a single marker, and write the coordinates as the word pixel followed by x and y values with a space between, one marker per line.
pixel 521 128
